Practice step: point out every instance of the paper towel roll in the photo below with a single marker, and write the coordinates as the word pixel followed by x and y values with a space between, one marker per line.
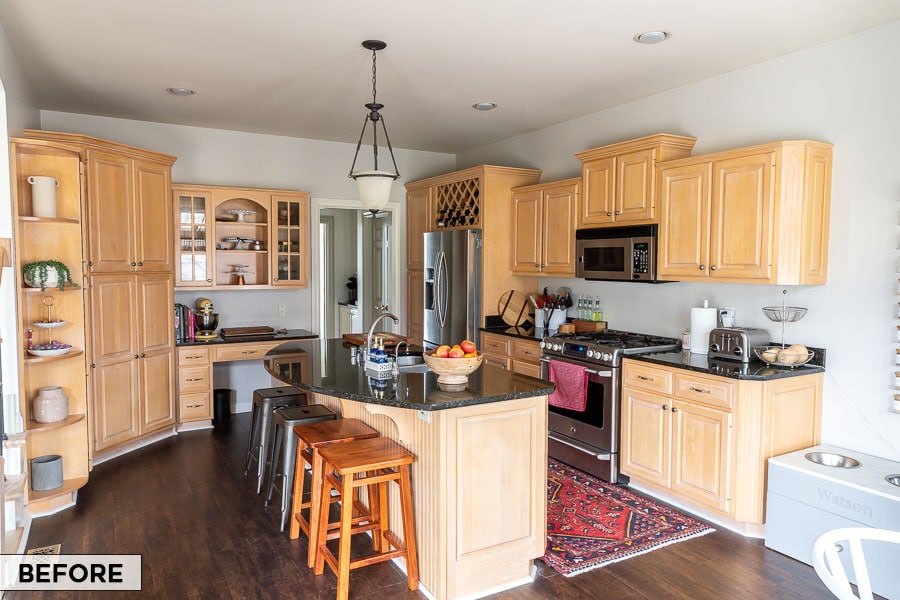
pixel 703 320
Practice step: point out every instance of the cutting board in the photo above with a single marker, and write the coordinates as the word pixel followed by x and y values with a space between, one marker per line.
pixel 512 308
pixel 239 331
pixel 390 339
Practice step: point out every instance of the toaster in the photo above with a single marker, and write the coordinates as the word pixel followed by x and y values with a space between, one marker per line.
pixel 736 343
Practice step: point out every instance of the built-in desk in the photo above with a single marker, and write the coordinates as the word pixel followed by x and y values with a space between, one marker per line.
pixel 195 369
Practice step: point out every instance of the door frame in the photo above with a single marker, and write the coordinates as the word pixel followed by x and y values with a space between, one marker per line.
pixel 315 279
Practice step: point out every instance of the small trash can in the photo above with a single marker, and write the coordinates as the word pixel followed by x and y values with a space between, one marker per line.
pixel 222 404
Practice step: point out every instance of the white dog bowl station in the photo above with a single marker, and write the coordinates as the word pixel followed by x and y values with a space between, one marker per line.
pixel 825 487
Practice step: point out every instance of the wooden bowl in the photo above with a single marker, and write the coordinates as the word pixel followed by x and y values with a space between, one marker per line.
pixel 453 370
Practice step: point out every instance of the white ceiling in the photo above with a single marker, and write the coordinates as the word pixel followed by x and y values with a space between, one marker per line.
pixel 296 68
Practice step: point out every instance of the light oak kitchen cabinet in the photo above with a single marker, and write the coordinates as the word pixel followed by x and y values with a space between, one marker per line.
pixel 619 180
pixel 544 219
pixel 418 209
pixel 703 440
pixel 511 353
pixel 751 215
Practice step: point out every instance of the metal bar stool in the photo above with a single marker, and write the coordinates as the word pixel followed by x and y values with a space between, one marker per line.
pixel 371 463
pixel 266 400
pixel 311 439
pixel 284 450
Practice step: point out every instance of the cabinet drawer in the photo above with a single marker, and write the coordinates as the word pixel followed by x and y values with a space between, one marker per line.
pixel 527 351
pixel 708 390
pixel 242 351
pixel 526 368
pixel 498 345
pixel 647 377
pixel 193 356
pixel 194 406
pixel 497 361
pixel 194 379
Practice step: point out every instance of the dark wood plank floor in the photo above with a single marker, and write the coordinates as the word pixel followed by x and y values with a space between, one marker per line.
pixel 184 504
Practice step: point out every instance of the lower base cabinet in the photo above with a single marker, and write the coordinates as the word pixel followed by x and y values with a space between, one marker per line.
pixel 704 440
pixel 511 353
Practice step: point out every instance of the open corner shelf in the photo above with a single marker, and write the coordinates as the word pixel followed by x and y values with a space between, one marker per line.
pixel 68 486
pixel 37 290
pixel 35 426
pixel 26 219
pixel 29 359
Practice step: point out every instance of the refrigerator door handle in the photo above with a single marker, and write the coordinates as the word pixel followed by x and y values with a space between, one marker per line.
pixel 442 288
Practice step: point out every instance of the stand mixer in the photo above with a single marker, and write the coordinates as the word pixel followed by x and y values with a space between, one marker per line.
pixel 206 320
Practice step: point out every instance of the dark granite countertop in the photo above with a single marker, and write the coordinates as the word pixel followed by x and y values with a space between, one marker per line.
pixel 755 370
pixel 282 335
pixel 526 332
pixel 331 371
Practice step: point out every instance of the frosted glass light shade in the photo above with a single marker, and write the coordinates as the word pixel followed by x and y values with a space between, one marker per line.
pixel 374 187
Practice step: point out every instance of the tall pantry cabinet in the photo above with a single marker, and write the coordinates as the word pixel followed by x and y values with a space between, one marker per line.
pixel 130 281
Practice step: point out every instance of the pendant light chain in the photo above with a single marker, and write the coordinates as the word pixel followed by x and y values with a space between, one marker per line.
pixel 374 92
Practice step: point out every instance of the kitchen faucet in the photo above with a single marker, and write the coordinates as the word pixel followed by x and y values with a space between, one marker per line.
pixel 372 328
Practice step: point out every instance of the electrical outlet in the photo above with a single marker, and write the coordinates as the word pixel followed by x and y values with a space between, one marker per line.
pixel 726 317
pixel 282 311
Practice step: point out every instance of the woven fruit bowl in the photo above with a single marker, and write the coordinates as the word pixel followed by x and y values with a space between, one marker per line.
pixel 453 370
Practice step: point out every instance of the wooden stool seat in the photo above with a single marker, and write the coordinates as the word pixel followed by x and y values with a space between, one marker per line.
pixel 370 463
pixel 311 438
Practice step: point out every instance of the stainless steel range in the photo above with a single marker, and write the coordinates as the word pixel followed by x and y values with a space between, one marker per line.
pixel 589 440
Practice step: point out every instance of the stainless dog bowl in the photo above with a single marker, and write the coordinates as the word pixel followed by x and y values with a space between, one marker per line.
pixel 893 479
pixel 830 459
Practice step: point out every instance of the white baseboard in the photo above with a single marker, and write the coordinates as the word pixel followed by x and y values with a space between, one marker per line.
pixel 132 446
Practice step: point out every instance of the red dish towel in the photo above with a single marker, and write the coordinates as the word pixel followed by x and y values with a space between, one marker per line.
pixel 571 385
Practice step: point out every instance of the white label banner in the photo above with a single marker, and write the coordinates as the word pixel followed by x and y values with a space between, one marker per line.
pixel 70 572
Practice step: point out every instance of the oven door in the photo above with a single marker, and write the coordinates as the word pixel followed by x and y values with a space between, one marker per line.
pixel 604 259
pixel 588 440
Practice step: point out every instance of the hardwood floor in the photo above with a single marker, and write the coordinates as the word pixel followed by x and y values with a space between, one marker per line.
pixel 185 505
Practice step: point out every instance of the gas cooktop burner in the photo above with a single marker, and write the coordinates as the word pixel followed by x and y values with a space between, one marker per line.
pixel 606 347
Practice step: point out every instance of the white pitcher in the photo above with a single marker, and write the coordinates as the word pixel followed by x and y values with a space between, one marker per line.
pixel 43 195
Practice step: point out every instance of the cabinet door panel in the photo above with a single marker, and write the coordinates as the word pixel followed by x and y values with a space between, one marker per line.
pixel 156 294
pixel 645 436
pixel 113 314
pixel 559 215
pixel 289 245
pixel 154 243
pixel 157 391
pixel 111 218
pixel 684 206
pixel 598 177
pixel 741 218
pixel 526 243
pixel 116 411
pixel 415 306
pixel 701 448
pixel 634 186
pixel 417 210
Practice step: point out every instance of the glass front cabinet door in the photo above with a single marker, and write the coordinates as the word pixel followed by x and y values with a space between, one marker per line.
pixel 194 254
pixel 290 243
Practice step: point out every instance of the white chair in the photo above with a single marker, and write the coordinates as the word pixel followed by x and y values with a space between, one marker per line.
pixel 827 562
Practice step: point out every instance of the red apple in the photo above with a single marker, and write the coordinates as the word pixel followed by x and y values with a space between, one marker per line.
pixel 456 352
pixel 442 351
pixel 467 346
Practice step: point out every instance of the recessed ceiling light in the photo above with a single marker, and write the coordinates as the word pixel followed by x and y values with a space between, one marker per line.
pixel 180 91
pixel 652 37
pixel 484 105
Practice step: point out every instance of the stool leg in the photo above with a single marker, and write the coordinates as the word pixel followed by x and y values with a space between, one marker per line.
pixel 274 470
pixel 319 504
pixel 297 496
pixel 288 458
pixel 343 574
pixel 375 504
pixel 317 550
pixel 254 417
pixel 409 529
pixel 383 524
pixel 265 434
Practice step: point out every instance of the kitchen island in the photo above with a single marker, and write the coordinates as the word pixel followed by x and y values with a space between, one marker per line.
pixel 480 476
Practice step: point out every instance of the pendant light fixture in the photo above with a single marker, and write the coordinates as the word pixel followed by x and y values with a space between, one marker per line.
pixel 374 184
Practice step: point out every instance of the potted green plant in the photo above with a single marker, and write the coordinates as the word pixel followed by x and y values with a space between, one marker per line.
pixel 47 273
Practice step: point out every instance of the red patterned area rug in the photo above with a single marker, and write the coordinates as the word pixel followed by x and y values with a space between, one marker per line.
pixel 591 523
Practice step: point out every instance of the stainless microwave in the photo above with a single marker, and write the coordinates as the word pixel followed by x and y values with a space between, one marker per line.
pixel 616 253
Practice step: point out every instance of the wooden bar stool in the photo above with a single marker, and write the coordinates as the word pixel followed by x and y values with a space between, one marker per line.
pixel 262 425
pixel 284 450
pixel 311 439
pixel 371 463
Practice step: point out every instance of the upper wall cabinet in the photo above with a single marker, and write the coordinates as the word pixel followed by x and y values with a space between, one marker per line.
pixel 544 215
pixel 619 180
pixel 232 238
pixel 751 215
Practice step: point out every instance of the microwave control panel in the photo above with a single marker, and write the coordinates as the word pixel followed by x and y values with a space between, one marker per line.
pixel 641 258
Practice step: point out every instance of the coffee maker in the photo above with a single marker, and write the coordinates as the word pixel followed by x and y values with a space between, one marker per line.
pixel 206 320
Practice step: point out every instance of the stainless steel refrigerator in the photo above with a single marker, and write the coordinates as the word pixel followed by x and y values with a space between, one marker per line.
pixel 452 286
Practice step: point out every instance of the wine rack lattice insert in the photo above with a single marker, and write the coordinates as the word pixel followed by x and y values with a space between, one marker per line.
pixel 458 205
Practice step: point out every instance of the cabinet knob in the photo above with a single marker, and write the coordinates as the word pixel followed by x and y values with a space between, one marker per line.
pixel 276 279
pixel 618 212
pixel 133 264
pixel 142 355
pixel 135 355
pixel 90 263
pixel 210 280
pixel 141 263
pixel 665 407
pixel 702 267
pixel 713 268
pixel 674 410
pixel 609 214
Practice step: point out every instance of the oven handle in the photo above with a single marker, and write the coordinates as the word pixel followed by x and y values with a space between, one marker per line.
pixel 591 371
pixel 580 447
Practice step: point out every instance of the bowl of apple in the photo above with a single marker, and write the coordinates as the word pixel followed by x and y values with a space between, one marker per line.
pixel 454 363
